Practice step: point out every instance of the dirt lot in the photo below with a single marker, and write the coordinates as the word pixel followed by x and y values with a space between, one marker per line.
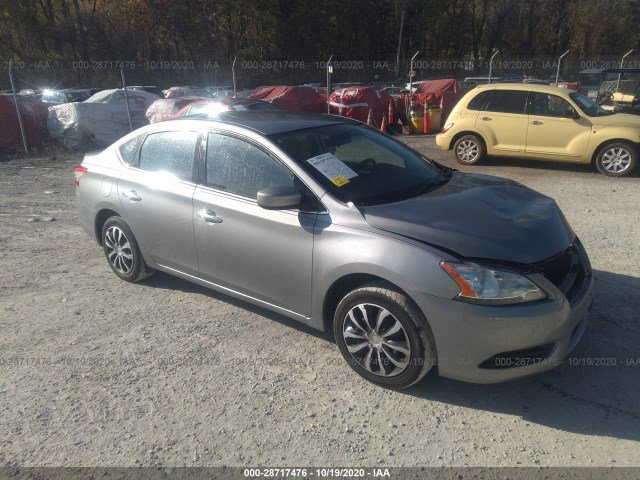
pixel 98 372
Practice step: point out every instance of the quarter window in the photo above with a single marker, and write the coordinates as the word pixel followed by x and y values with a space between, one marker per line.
pixel 480 100
pixel 171 152
pixel 129 149
pixel 239 167
pixel 507 101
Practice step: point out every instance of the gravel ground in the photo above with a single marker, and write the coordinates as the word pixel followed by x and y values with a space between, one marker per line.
pixel 98 372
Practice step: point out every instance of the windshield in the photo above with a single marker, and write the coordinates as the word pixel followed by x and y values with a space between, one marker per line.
pixel 588 106
pixel 101 97
pixel 357 164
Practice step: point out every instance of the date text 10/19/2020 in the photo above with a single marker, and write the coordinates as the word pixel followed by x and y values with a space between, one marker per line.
pixel 316 472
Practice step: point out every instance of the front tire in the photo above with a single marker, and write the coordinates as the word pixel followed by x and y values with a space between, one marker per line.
pixel 469 150
pixel 122 251
pixel 384 337
pixel 617 159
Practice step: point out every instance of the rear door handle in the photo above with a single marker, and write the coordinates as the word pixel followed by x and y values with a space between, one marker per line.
pixel 132 196
pixel 485 118
pixel 535 122
pixel 209 216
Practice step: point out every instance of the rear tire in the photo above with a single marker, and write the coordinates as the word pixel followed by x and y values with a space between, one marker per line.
pixel 617 159
pixel 469 150
pixel 384 337
pixel 122 251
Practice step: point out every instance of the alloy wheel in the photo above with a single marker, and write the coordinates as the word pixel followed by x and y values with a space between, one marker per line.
pixel 376 340
pixel 119 251
pixel 468 151
pixel 616 160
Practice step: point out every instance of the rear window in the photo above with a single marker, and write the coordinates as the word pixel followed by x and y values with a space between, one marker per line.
pixel 255 106
pixel 207 109
pixel 507 101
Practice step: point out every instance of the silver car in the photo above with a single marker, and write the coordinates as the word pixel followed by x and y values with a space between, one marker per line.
pixel 327 221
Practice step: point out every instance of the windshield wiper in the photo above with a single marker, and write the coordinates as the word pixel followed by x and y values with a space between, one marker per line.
pixel 433 185
pixel 404 194
pixel 448 171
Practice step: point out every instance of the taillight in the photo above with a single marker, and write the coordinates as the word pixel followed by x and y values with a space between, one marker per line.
pixel 446 128
pixel 78 173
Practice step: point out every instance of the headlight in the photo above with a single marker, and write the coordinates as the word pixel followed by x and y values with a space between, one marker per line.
pixel 489 286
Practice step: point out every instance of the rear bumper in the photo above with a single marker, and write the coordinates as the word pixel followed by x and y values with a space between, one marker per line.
pixel 86 215
pixel 443 141
pixel 518 340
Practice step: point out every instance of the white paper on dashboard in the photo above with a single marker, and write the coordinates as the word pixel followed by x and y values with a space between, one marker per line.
pixel 331 166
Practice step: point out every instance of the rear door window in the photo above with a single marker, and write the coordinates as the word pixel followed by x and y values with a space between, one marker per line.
pixel 171 152
pixel 507 101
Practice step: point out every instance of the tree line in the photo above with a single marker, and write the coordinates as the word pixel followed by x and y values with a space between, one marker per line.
pixel 221 30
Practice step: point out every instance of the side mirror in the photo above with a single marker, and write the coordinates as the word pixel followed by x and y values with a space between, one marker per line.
pixel 279 198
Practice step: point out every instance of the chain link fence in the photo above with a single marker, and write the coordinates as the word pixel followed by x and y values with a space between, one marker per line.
pixel 27 124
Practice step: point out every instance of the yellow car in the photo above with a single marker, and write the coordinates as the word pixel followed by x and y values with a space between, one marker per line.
pixel 540 122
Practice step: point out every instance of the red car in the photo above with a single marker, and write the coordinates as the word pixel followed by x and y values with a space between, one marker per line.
pixel 209 108
pixel 164 108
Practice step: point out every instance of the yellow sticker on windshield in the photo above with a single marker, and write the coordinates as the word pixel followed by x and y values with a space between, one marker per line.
pixel 333 168
pixel 340 180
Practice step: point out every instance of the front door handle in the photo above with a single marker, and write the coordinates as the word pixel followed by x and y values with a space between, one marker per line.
pixel 209 216
pixel 535 122
pixel 132 196
pixel 485 118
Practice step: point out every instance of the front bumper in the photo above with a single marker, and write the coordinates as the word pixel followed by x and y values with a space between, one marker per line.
pixel 518 340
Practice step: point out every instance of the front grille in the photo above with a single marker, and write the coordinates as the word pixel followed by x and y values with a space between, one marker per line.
pixel 518 358
pixel 570 271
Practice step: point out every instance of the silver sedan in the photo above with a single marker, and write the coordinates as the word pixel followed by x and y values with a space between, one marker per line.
pixel 414 266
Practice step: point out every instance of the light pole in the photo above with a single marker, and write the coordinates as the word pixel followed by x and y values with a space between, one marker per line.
pixel 15 100
pixel 411 72
pixel 233 76
pixel 558 71
pixel 126 98
pixel 399 43
pixel 620 74
pixel 491 64
pixel 329 72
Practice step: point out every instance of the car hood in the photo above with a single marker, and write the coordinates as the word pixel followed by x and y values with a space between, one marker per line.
pixel 479 216
pixel 623 119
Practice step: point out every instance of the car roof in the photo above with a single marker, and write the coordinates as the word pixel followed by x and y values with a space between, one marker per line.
pixel 595 71
pixel 270 122
pixel 531 87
